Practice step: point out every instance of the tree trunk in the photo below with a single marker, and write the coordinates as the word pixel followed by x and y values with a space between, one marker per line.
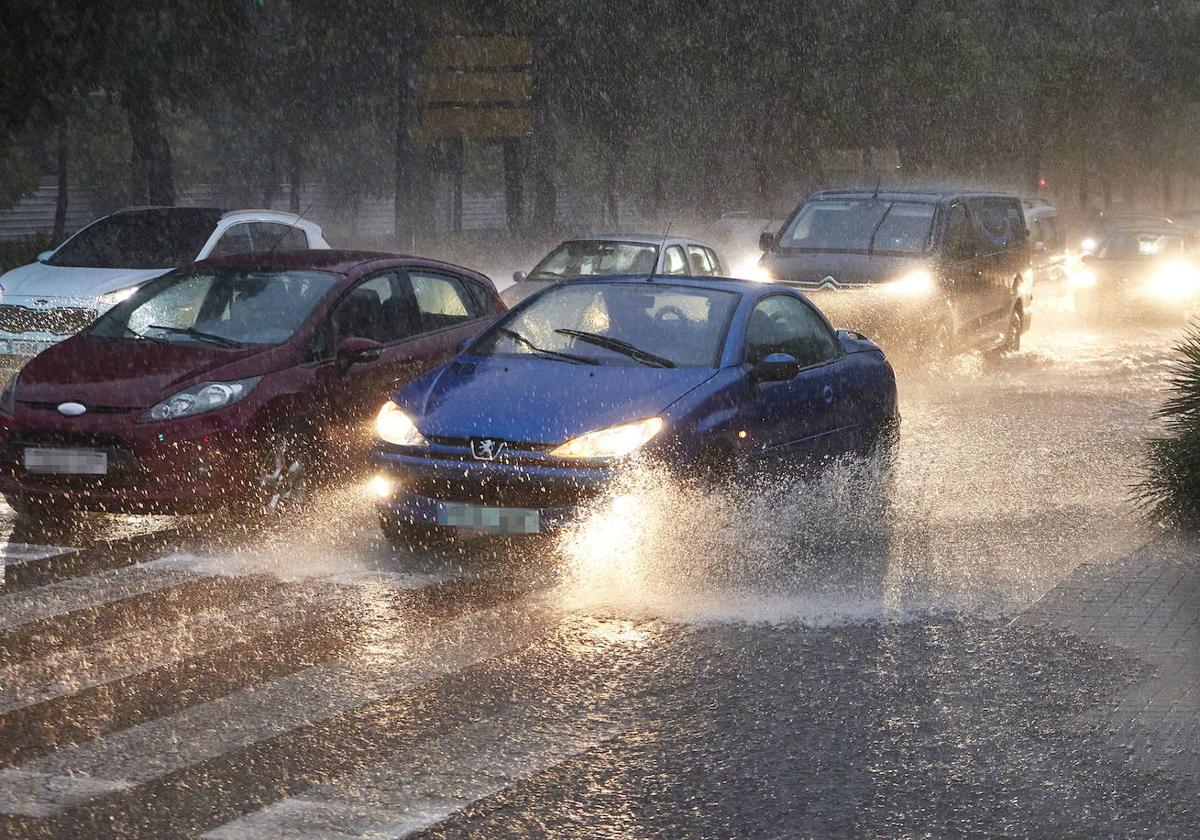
pixel 544 144
pixel 404 221
pixel 514 185
pixel 62 196
pixel 611 173
pixel 152 179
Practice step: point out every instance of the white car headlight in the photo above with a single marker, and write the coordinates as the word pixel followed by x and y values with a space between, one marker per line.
pixel 914 283
pixel 111 299
pixel 1088 245
pixel 1084 278
pixel 613 442
pixel 205 397
pixel 394 426
pixel 1175 281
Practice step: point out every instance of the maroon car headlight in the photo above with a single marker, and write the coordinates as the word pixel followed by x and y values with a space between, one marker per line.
pixel 200 399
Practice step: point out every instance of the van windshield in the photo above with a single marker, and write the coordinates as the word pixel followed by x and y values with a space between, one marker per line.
pixel 860 225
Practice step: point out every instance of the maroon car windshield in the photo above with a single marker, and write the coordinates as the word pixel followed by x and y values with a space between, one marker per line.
pixel 232 307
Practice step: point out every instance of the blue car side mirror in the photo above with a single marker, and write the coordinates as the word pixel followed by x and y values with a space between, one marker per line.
pixel 777 367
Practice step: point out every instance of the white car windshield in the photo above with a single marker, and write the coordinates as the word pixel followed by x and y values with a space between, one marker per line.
pixel 596 258
pixel 164 238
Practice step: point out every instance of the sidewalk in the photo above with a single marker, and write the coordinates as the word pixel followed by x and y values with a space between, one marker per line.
pixel 1145 599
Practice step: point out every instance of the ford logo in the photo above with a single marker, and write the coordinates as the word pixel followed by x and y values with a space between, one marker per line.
pixel 72 409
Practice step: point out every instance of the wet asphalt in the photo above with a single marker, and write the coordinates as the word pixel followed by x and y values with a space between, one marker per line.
pixel 810 659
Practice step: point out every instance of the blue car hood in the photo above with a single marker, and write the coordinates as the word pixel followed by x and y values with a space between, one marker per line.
pixel 538 400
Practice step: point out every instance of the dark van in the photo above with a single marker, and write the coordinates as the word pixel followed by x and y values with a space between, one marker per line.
pixel 937 269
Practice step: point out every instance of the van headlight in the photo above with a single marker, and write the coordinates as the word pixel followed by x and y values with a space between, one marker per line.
pixel 200 399
pixel 111 299
pixel 394 426
pixel 613 442
pixel 913 284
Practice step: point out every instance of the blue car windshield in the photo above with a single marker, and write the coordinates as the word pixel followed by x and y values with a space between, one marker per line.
pixel 678 324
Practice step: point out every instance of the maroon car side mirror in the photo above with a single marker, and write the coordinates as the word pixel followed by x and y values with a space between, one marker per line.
pixel 354 349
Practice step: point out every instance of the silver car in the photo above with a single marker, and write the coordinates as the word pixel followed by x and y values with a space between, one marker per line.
pixel 614 255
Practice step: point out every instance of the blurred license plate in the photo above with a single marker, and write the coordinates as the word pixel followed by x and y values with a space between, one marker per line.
pixel 492 520
pixel 22 347
pixel 66 461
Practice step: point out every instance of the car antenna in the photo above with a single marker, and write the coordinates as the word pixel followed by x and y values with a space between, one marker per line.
pixel 290 228
pixel 878 181
pixel 662 248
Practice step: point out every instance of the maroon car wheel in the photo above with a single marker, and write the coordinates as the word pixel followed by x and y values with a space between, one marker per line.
pixel 282 479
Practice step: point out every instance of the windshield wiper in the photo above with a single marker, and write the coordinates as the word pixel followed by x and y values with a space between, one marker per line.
pixel 542 351
pixel 192 332
pixel 619 346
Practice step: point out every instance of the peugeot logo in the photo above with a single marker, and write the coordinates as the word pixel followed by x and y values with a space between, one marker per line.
pixel 486 449
pixel 72 409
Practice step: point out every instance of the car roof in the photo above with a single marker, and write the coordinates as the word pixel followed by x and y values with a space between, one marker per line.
pixel 690 281
pixel 639 239
pixel 1162 230
pixel 215 213
pixel 338 261
pixel 1039 211
pixel 931 195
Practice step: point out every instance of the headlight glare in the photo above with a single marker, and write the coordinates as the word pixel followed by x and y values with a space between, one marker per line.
pixel 1175 281
pixel 1084 278
pixel 914 283
pixel 613 442
pixel 199 399
pixel 394 426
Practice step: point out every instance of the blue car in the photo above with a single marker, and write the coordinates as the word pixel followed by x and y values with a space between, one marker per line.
pixel 702 376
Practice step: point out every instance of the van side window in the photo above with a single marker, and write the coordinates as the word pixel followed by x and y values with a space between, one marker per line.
pixel 999 223
pixel 960 233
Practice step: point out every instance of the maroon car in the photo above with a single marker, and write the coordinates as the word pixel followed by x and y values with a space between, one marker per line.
pixel 229 381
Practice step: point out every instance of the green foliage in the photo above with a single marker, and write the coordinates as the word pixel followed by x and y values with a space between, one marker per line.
pixel 1170 491
pixel 18 252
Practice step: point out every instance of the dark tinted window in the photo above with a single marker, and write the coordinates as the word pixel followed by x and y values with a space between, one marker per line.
pixel 140 239
pixel 235 240
pixel 270 236
pixel 784 324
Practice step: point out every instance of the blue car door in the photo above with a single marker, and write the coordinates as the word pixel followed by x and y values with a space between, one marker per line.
pixel 805 417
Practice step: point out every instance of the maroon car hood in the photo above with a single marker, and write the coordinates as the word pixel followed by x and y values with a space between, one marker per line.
pixel 122 374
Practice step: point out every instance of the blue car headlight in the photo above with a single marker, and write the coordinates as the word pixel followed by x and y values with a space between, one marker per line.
pixel 199 399
pixel 394 426
pixel 613 442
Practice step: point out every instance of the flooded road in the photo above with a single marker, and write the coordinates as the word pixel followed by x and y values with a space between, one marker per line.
pixel 812 659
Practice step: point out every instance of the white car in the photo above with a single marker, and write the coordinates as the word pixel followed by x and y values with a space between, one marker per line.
pixel 101 265
pixel 612 255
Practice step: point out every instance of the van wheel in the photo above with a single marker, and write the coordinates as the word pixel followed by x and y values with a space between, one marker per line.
pixel 1012 333
pixel 282 475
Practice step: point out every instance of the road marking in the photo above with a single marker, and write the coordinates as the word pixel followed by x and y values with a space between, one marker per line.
pixel 151 750
pixel 68 596
pixel 18 553
pixel 420 788
pixel 72 671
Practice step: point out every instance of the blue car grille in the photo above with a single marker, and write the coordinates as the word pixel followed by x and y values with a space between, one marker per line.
pixel 520 494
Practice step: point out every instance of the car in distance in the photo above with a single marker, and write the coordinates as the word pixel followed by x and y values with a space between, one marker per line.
pixel 225 381
pixel 1149 271
pixel 1052 260
pixel 703 377
pixel 616 255
pixel 46 301
pixel 1103 224
pixel 944 268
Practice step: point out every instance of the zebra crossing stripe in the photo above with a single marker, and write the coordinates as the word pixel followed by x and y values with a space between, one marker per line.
pixel 75 774
pixel 415 791
pixel 67 596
